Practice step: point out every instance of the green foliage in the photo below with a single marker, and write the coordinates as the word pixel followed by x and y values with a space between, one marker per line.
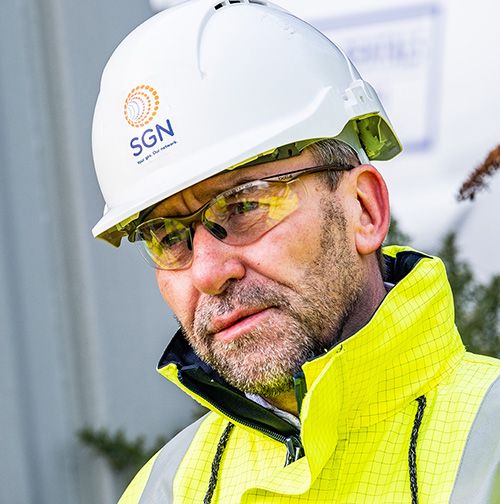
pixel 395 236
pixel 121 453
pixel 477 306
pixel 125 455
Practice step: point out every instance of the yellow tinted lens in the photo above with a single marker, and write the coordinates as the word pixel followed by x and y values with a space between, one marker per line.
pixel 164 243
pixel 249 212
pixel 280 206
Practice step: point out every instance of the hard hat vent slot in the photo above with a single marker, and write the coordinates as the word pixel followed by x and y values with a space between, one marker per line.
pixel 226 3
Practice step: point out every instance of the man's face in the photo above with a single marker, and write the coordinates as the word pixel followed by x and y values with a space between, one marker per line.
pixel 256 312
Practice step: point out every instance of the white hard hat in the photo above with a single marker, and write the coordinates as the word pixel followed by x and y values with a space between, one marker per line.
pixel 208 85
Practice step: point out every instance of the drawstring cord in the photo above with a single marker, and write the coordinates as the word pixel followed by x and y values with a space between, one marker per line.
pixel 412 454
pixel 216 463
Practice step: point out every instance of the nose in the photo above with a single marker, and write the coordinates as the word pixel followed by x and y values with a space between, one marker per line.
pixel 215 264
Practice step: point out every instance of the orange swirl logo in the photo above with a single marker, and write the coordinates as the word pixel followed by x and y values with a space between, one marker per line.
pixel 141 106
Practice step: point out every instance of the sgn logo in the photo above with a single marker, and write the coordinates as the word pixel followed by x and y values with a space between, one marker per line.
pixel 141 106
pixel 140 109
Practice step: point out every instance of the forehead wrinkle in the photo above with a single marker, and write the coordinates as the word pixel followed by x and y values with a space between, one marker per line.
pixel 189 200
pixel 197 195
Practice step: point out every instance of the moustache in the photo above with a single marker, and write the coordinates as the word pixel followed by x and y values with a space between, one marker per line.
pixel 237 297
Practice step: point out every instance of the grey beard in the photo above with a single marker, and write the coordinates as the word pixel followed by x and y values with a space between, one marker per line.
pixel 308 320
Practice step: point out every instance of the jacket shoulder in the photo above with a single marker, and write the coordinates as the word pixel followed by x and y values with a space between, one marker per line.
pixel 154 482
pixel 478 475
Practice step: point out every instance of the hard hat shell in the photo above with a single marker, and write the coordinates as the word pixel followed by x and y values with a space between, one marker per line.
pixel 208 85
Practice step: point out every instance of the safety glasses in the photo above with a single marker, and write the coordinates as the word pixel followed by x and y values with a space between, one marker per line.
pixel 237 216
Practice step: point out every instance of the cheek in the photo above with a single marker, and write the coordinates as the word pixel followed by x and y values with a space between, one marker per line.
pixel 287 250
pixel 174 287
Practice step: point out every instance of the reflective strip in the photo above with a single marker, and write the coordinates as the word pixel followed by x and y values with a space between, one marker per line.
pixel 478 476
pixel 160 485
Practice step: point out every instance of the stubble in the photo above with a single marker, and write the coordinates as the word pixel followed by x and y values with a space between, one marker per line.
pixel 305 320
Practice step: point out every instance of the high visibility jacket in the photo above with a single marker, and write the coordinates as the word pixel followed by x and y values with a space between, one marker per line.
pixel 396 413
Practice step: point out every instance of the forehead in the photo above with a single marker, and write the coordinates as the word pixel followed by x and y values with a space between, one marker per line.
pixel 193 197
pixel 228 179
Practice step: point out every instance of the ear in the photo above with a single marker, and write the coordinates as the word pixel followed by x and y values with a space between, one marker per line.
pixel 373 214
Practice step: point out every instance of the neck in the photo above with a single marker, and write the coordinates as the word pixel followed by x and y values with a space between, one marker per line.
pixel 368 302
pixel 285 401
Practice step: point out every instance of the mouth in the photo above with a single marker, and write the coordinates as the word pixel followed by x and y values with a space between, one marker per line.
pixel 238 323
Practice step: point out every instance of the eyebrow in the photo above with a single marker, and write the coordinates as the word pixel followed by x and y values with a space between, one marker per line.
pixel 210 194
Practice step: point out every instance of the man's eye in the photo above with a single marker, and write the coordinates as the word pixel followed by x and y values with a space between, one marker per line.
pixel 171 239
pixel 167 239
pixel 245 207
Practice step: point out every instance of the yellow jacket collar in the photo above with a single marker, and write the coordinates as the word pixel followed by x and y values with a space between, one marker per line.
pixel 409 345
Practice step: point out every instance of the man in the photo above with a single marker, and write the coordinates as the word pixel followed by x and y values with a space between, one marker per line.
pixel 232 143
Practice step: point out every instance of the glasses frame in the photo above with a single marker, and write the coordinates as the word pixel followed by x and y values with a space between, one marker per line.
pixel 188 220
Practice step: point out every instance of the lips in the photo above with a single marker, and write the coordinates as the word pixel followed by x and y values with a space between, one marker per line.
pixel 238 322
pixel 221 323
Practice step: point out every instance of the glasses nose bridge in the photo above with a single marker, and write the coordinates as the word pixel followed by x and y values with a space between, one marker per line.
pixel 191 219
pixel 191 222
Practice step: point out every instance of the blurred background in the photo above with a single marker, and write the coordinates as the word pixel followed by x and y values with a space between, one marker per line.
pixel 82 325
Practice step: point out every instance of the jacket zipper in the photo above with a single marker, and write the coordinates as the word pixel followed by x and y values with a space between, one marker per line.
pixel 293 444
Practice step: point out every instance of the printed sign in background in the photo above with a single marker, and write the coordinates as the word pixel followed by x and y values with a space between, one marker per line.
pixel 398 51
